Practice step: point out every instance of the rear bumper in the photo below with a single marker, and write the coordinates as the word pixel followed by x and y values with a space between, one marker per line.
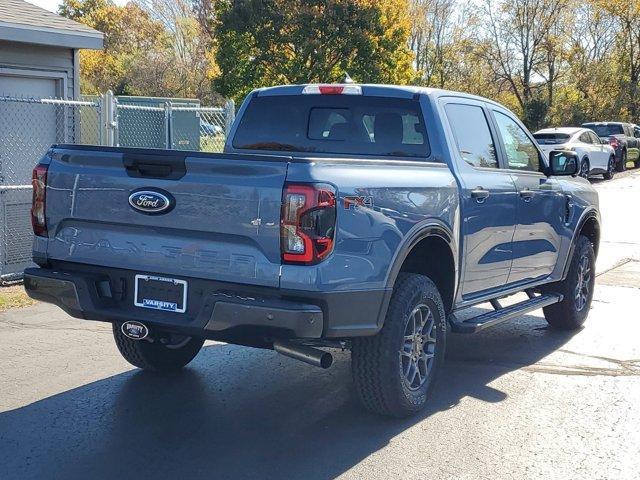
pixel 215 310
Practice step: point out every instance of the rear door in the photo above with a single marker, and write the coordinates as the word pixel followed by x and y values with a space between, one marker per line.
pixel 222 223
pixel 487 196
pixel 601 154
pixel 540 202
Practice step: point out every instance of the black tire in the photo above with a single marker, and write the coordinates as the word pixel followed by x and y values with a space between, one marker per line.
pixel 622 165
pixel 611 169
pixel 572 311
pixel 382 365
pixel 156 356
pixel 584 168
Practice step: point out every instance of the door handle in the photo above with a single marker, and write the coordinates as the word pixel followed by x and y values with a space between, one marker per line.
pixel 527 194
pixel 480 194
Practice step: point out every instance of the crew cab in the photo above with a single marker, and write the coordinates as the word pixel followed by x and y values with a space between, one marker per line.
pixel 362 217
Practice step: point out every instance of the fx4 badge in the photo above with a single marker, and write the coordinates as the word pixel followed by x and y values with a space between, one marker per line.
pixel 351 202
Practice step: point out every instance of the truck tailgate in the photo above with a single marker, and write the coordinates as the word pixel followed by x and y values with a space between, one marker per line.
pixel 223 224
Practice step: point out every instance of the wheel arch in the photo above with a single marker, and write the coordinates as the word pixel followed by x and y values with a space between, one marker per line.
pixel 589 226
pixel 433 241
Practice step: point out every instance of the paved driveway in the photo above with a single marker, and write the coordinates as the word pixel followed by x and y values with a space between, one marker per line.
pixel 517 401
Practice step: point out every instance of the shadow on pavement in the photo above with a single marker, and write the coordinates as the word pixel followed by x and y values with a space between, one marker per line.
pixel 242 413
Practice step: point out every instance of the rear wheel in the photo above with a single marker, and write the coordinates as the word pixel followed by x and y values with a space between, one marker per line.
pixel 611 169
pixel 394 371
pixel 576 289
pixel 173 353
pixel 622 166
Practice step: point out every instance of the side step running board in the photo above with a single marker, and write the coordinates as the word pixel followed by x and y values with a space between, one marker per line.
pixel 502 314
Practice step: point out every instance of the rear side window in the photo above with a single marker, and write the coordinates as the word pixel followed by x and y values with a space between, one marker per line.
pixel 585 138
pixel 551 138
pixel 472 134
pixel 340 124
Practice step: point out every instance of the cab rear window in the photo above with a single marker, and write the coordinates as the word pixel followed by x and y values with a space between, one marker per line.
pixel 338 124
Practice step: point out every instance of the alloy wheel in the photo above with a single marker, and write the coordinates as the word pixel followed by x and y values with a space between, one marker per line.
pixel 584 170
pixel 583 284
pixel 417 353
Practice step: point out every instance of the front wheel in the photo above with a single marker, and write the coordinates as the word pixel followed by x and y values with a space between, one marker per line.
pixel 584 169
pixel 576 289
pixel 173 353
pixel 611 169
pixel 394 371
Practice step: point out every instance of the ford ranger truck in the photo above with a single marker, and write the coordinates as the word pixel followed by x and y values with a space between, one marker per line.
pixel 361 217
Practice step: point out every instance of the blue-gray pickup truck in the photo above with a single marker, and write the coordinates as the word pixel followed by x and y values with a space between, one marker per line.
pixel 362 217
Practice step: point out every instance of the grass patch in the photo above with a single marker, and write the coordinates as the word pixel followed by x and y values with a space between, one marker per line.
pixel 14 297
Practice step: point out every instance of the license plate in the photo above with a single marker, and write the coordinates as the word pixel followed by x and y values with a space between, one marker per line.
pixel 160 293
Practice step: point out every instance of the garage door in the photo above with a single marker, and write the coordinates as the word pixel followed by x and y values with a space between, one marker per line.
pixel 27 129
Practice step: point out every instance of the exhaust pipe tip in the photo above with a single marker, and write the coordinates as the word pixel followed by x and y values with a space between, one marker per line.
pixel 312 356
pixel 326 360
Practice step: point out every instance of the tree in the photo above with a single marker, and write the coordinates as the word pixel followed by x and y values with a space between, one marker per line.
pixel 270 42
pixel 432 38
pixel 152 48
pixel 627 16
pixel 519 46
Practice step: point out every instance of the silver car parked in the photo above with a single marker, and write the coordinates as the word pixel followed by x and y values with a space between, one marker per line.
pixel 595 156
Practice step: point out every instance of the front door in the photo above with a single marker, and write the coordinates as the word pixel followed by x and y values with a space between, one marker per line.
pixel 487 199
pixel 541 204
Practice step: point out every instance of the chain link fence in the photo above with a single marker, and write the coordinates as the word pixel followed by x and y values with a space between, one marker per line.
pixel 29 126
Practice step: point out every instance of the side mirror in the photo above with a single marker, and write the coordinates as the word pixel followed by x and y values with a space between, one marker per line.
pixel 604 142
pixel 563 163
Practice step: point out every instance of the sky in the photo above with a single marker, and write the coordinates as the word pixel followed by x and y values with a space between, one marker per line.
pixel 52 5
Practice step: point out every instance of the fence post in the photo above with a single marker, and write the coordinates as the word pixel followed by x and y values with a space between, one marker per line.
pixel 111 118
pixel 167 125
pixel 101 121
pixel 229 115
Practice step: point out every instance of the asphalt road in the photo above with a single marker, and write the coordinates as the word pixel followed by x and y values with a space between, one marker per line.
pixel 519 401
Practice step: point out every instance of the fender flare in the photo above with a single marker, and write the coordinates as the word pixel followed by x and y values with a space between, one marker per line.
pixel 587 215
pixel 420 231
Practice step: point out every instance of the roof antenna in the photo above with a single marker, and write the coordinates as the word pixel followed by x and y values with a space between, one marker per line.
pixel 347 78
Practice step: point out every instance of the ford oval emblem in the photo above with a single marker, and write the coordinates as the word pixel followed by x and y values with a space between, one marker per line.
pixel 151 201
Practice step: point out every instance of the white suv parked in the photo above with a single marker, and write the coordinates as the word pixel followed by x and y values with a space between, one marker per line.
pixel 595 157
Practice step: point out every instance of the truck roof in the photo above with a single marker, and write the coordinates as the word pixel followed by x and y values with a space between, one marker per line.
pixel 399 91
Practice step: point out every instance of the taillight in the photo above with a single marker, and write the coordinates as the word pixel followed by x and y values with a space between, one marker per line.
pixel 38 203
pixel 307 226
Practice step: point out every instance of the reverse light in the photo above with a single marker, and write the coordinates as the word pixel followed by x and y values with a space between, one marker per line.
pixel 332 89
pixel 307 225
pixel 38 200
